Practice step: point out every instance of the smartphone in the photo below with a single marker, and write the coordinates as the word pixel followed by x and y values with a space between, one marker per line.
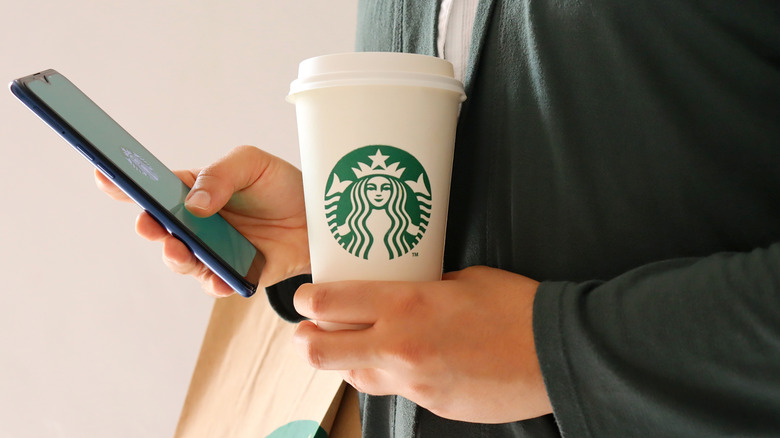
pixel 141 176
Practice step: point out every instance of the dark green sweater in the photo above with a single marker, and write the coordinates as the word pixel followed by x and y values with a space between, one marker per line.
pixel 626 153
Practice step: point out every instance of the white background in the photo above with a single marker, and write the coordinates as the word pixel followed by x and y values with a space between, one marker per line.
pixel 97 337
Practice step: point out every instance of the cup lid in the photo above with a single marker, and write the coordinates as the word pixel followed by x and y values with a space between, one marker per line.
pixel 375 68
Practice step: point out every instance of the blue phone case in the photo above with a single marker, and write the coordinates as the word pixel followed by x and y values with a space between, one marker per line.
pixel 141 176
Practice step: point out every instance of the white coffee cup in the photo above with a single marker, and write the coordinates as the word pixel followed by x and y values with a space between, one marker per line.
pixel 376 134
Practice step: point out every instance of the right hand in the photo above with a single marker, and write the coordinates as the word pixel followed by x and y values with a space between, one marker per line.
pixel 259 194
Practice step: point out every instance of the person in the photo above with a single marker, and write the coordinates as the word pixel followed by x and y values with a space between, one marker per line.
pixel 613 246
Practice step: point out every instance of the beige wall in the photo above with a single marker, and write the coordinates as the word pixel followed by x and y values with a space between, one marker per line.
pixel 97 337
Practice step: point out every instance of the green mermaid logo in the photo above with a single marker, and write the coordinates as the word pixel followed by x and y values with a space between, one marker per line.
pixel 378 202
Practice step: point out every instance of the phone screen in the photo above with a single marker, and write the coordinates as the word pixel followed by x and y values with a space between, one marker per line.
pixel 155 180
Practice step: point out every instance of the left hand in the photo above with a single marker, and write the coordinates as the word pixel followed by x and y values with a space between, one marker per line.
pixel 462 347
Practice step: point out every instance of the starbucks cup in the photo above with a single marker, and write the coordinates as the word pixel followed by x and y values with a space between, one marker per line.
pixel 376 134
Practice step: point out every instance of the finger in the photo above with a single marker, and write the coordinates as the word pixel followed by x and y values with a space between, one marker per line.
pixel 335 350
pixel 181 260
pixel 187 176
pixel 370 381
pixel 349 302
pixel 215 286
pixel 216 184
pixel 110 188
pixel 148 228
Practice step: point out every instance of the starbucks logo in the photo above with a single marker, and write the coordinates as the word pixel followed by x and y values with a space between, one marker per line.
pixel 378 202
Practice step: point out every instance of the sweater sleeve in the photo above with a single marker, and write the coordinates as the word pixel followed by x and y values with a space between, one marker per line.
pixel 685 347
pixel 280 296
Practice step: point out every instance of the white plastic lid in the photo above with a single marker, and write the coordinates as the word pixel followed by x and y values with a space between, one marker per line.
pixel 375 68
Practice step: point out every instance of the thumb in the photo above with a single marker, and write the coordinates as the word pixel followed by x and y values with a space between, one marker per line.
pixel 216 183
pixel 199 202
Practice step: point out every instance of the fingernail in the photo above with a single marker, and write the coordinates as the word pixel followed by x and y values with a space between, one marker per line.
pixel 199 199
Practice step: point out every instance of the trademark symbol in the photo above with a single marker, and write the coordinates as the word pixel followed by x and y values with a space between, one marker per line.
pixel 415 254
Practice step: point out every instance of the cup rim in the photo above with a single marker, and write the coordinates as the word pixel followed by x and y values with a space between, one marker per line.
pixel 375 68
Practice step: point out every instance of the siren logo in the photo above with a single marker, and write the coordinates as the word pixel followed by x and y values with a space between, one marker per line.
pixel 378 202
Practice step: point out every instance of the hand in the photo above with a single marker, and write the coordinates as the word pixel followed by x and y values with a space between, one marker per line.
pixel 259 194
pixel 463 347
